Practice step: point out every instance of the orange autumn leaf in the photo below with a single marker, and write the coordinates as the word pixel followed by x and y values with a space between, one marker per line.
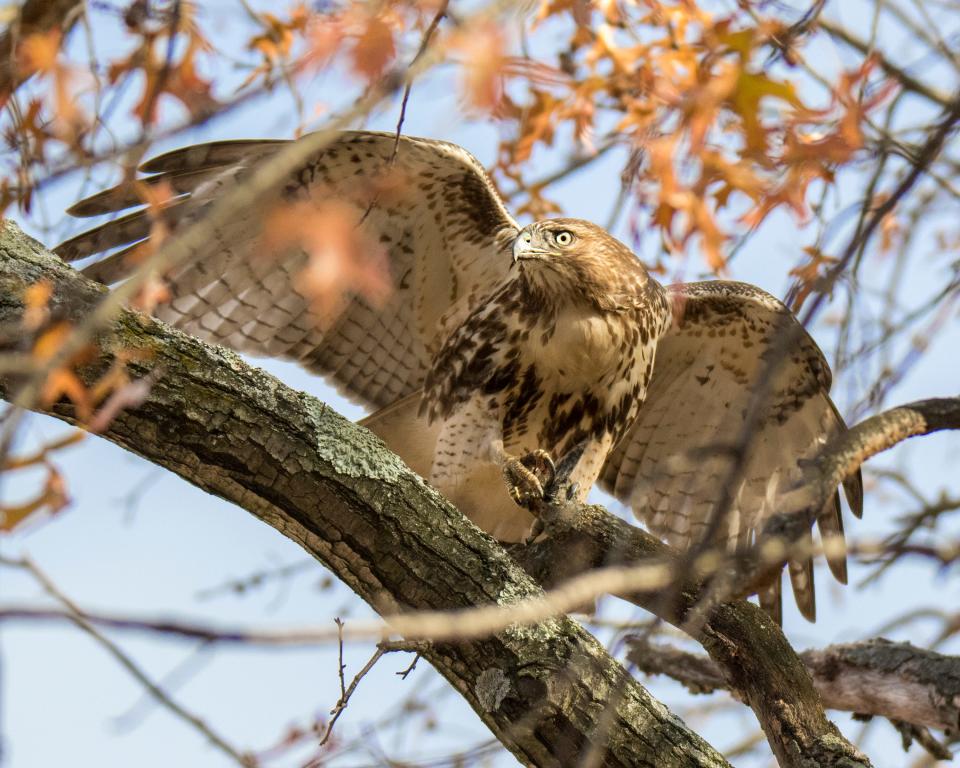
pixel 342 259
pixel 35 304
pixel 63 382
pixel 51 499
pixel 808 275
pixel 277 37
pixel 41 455
pixel 374 49
pixel 50 341
pixel 39 52
pixel 483 51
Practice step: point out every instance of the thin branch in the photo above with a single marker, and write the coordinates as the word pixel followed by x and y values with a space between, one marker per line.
pixel 346 693
pixel 924 157
pixel 76 616
pixel 424 45
pixel 899 74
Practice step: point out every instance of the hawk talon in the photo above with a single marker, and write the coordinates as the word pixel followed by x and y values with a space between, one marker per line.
pixel 538 528
pixel 540 462
pixel 530 478
pixel 524 486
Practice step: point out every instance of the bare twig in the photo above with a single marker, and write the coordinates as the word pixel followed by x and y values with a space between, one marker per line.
pixel 346 693
pixel 899 74
pixel 925 156
pixel 424 44
pixel 77 617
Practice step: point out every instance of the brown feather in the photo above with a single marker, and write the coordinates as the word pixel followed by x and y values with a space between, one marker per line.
pixel 771 599
pixel 830 523
pixel 116 267
pixel 214 154
pixel 853 490
pixel 125 196
pixel 801 579
pixel 122 231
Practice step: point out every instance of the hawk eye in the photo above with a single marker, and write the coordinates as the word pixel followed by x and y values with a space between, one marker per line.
pixel 563 237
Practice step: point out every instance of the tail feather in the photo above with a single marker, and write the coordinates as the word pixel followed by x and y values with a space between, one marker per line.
pixel 830 523
pixel 801 578
pixel 771 599
pixel 853 490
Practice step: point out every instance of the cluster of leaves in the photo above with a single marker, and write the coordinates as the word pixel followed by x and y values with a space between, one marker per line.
pixel 697 100
pixel 61 118
pixel 57 376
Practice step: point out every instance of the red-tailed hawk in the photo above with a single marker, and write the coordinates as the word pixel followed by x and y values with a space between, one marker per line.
pixel 500 346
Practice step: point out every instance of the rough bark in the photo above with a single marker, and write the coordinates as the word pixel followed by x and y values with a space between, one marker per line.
pixel 334 488
pixel 756 661
pixel 875 677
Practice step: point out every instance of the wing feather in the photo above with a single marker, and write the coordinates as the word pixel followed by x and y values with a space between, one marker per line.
pixel 672 464
pixel 431 207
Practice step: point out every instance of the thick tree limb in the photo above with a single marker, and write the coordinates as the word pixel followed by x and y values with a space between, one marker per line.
pixel 876 677
pixel 333 488
pixel 757 661
pixel 337 491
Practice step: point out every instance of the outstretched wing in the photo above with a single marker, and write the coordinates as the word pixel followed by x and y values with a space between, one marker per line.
pixel 673 463
pixel 429 204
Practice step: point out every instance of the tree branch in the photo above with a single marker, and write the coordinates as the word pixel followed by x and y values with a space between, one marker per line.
pixel 756 660
pixel 333 488
pixel 239 433
pixel 330 486
pixel 908 81
pixel 897 681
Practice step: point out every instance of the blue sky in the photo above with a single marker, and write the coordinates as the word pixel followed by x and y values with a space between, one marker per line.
pixel 63 700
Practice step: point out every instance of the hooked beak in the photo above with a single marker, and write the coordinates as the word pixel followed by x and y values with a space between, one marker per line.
pixel 523 248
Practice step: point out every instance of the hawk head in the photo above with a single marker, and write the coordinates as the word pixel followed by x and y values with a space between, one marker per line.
pixel 575 256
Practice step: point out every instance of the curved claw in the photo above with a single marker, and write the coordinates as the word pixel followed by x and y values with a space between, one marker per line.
pixel 524 486
pixel 540 462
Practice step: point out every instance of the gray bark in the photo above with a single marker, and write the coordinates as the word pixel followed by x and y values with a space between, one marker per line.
pixel 898 681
